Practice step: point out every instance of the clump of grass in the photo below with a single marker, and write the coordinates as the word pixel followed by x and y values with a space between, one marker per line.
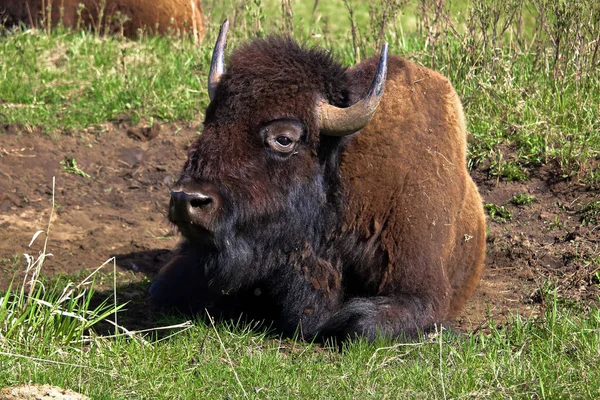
pixel 523 199
pixel 498 213
pixel 70 166
pixel 512 172
pixel 555 224
pixel 41 316
pixel 593 177
pixel 509 171
pixel 590 213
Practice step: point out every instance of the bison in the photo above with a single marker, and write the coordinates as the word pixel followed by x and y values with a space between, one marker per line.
pixel 155 16
pixel 319 201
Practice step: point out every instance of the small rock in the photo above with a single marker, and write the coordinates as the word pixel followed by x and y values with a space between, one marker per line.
pixel 132 156
pixel 526 274
pixel 39 392
pixel 144 134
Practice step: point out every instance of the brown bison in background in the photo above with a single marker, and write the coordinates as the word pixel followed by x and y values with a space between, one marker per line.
pixel 153 16
pixel 316 200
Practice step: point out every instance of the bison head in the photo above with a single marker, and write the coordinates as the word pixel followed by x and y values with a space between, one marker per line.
pixel 264 170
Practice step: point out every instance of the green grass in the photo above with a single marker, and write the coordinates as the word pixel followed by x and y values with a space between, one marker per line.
pixel 497 213
pixel 523 199
pixel 71 81
pixel 70 166
pixel 553 356
pixel 590 213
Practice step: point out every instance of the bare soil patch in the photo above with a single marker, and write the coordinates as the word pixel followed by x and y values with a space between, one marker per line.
pixel 120 210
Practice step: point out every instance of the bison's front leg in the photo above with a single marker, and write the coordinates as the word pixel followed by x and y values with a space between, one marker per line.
pixel 310 294
pixel 371 317
pixel 180 286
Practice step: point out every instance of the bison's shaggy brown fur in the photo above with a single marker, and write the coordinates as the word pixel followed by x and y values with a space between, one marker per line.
pixel 152 16
pixel 379 232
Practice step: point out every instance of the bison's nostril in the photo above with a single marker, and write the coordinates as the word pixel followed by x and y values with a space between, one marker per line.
pixel 196 203
pixel 200 202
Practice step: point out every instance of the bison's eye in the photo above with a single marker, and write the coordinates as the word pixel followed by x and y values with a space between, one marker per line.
pixel 281 144
pixel 284 141
pixel 283 136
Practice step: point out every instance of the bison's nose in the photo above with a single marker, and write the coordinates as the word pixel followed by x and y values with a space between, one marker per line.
pixel 195 204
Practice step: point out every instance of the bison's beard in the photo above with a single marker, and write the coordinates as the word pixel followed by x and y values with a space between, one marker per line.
pixel 248 247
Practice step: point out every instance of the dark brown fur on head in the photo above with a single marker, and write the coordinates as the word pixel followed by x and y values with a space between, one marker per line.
pixel 267 80
pixel 380 232
pixel 271 79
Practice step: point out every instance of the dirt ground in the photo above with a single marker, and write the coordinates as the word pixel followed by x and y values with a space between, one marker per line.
pixel 120 210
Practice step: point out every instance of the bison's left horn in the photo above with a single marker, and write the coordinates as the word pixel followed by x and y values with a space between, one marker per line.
pixel 335 121
pixel 217 64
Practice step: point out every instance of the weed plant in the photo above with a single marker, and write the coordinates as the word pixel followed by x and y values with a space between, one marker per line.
pixel 523 199
pixel 497 213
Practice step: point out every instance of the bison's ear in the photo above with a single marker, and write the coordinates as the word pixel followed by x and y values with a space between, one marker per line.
pixel 217 64
pixel 335 121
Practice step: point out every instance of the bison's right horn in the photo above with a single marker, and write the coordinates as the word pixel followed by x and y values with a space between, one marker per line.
pixel 217 64
pixel 336 121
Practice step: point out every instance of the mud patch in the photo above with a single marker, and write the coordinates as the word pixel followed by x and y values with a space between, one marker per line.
pixel 119 209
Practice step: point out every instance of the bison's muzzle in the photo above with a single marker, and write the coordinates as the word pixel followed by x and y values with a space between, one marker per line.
pixel 194 207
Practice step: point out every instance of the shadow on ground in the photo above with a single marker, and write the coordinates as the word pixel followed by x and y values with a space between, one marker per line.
pixel 138 314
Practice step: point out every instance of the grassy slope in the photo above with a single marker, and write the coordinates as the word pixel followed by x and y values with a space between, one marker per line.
pixel 68 81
